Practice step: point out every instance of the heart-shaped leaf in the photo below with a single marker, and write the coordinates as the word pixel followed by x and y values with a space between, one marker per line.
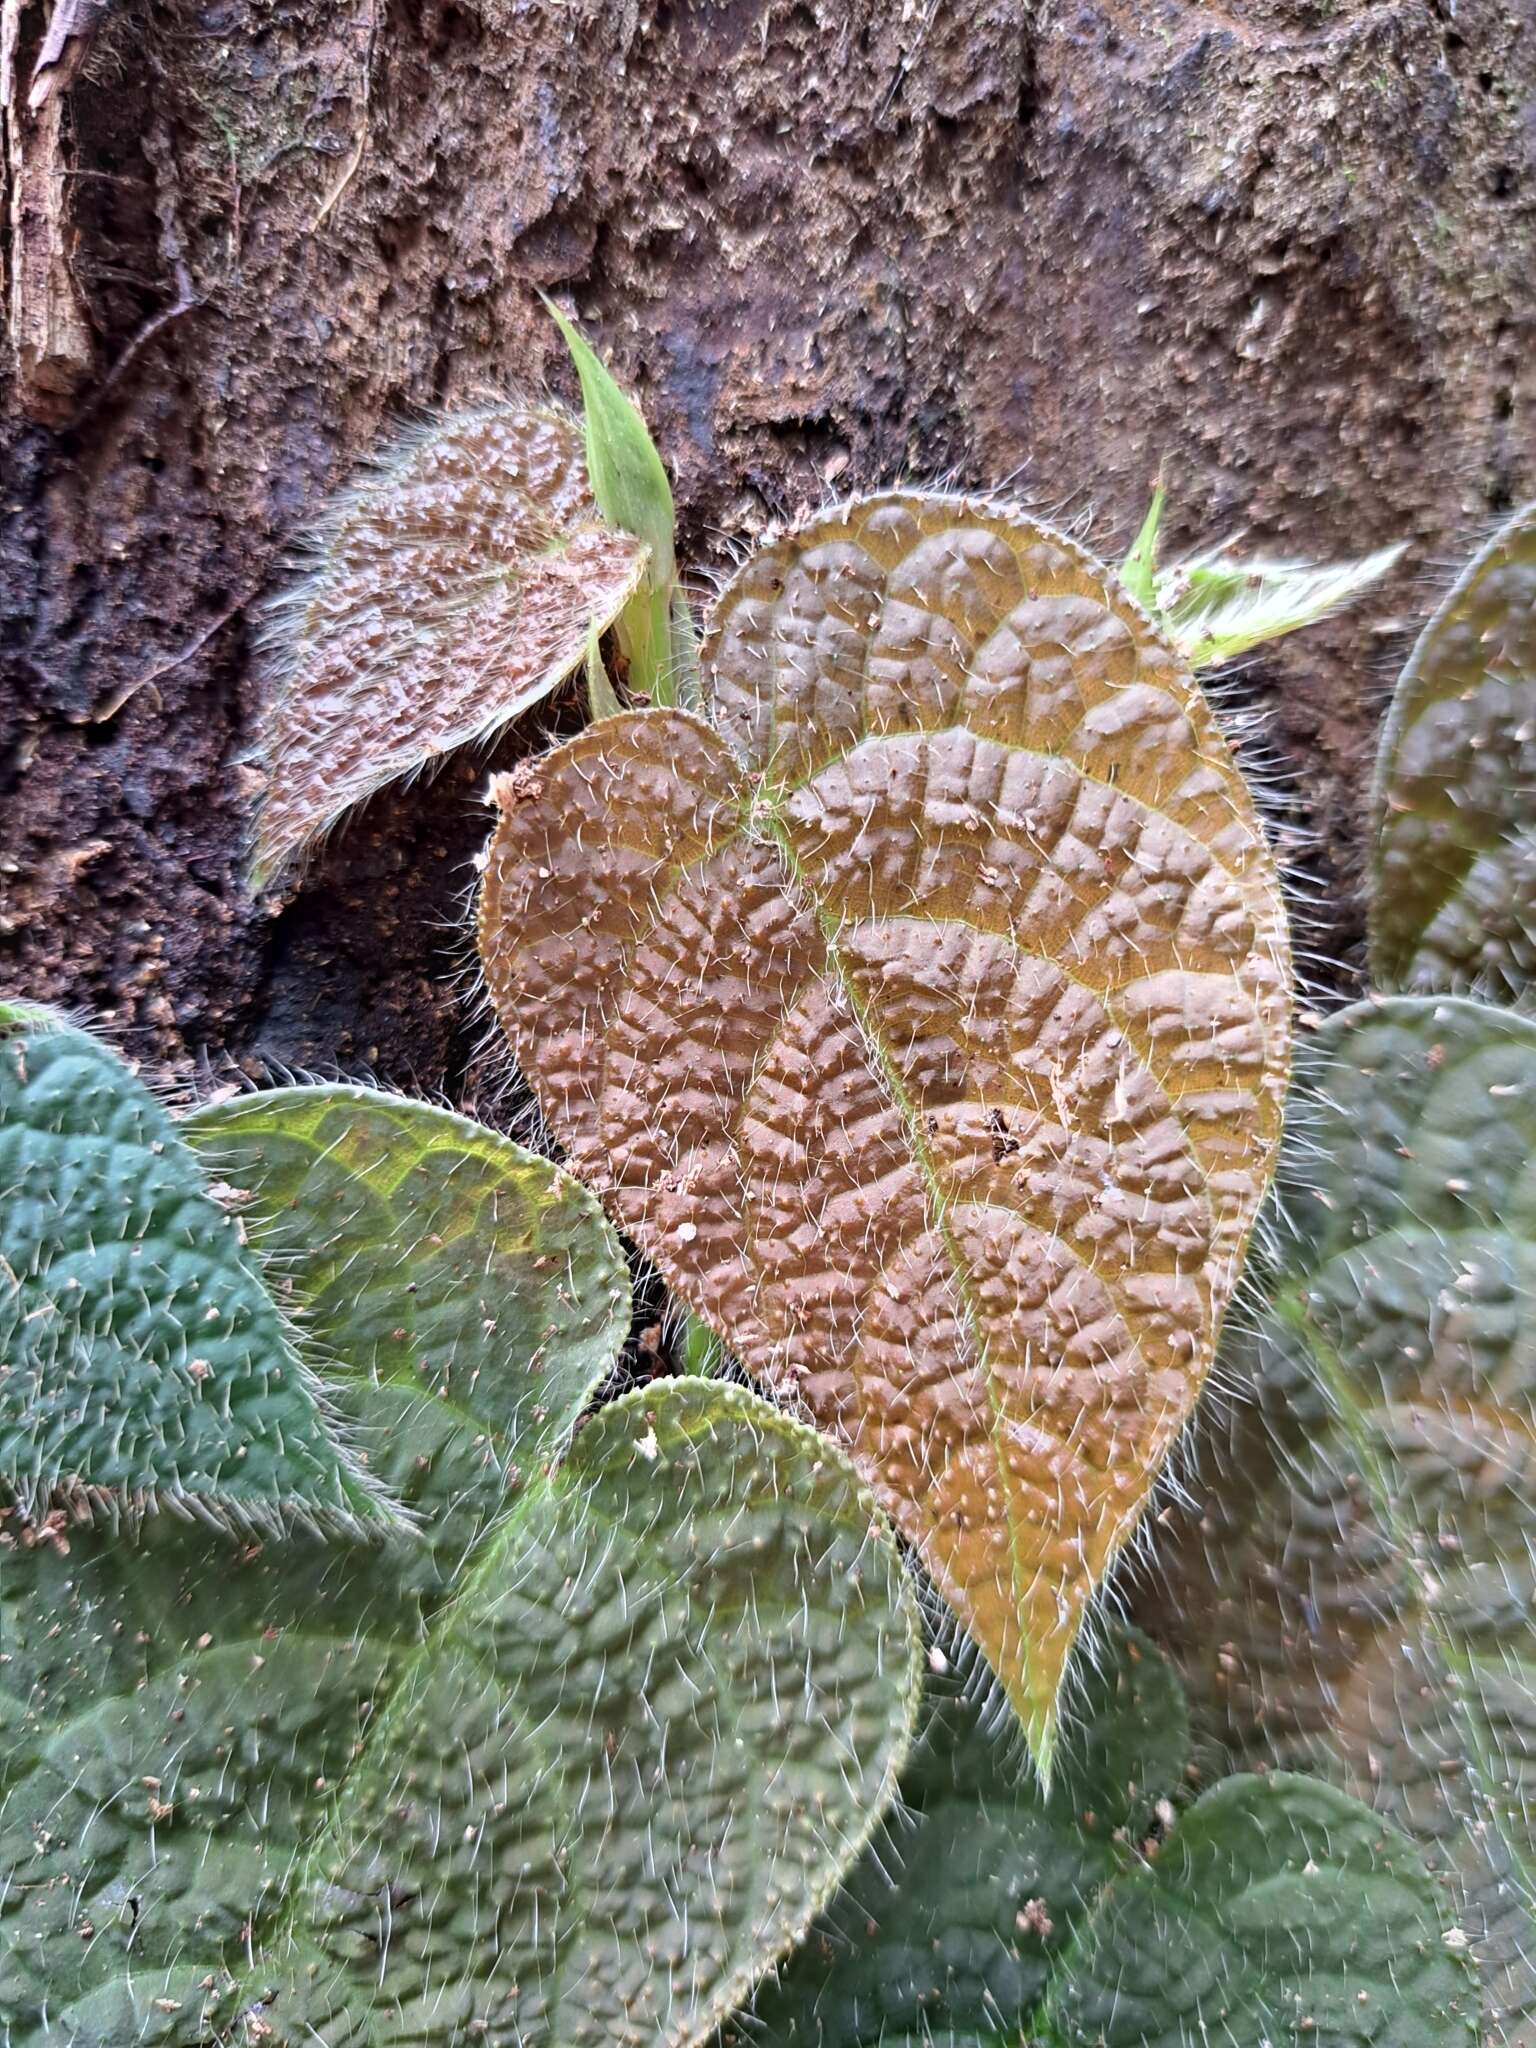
pixel 143 1362
pixel 927 1021
pixel 452 589
pixel 575 1771
pixel 948 1927
pixel 1280 1910
pixel 1454 902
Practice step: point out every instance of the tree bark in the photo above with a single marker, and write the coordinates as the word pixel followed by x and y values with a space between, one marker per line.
pixel 1283 247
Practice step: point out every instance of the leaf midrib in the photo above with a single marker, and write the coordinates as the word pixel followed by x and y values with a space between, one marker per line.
pixel 934 1192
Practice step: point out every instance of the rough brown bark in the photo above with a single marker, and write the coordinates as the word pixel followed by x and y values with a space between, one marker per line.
pixel 1286 245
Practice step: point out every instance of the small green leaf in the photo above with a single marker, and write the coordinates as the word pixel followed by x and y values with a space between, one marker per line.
pixel 1138 572
pixel 1216 608
pixel 702 1351
pixel 601 700
pixel 1280 1910
pixel 630 485
pixel 142 1358
pixel 947 1929
pixel 687 680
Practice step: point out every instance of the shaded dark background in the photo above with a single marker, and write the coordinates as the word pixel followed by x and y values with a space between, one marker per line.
pixel 1285 245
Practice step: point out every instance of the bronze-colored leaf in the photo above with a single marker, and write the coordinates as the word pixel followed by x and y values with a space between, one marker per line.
pixel 927 1021
pixel 458 585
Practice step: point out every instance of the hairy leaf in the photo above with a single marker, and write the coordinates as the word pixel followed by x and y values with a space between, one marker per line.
pixel 1454 902
pixel 1216 606
pixel 575 1770
pixel 461 1287
pixel 660 1718
pixel 947 1929
pixel 1369 1596
pixel 452 589
pixel 1280 1910
pixel 143 1362
pixel 927 1022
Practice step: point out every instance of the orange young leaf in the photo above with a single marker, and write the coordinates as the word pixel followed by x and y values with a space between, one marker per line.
pixel 453 589
pixel 926 1017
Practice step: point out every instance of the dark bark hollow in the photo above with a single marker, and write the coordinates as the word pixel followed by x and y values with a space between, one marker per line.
pixel 1285 246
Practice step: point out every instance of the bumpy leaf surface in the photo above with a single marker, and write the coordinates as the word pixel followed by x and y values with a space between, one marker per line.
pixel 1454 903
pixel 454 588
pixel 1280 1910
pixel 947 1929
pixel 1372 1573
pixel 143 1360
pixel 459 1283
pixel 927 1021
pixel 573 1770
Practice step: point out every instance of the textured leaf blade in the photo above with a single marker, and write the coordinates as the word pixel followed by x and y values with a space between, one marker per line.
pixel 704 1726
pixel 592 1802
pixel 1279 1909
pixel 933 1040
pixel 142 1357
pixel 450 591
pixel 455 1281
pixel 190 1729
pixel 948 1928
pixel 1453 904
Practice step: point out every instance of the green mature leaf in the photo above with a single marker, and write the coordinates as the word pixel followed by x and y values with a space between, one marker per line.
pixel 1367 1609
pixel 143 1362
pixel 449 591
pixel 926 1020
pixel 660 1718
pixel 468 1295
pixel 630 485
pixel 947 1929
pixel 573 1770
pixel 1280 1910
pixel 1453 906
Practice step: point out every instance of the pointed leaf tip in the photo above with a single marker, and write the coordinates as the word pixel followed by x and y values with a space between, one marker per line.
pixel 1138 572
pixel 629 479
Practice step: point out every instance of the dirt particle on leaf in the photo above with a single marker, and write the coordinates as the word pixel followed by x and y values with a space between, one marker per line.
pixel 1034 1918
pixel 521 785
